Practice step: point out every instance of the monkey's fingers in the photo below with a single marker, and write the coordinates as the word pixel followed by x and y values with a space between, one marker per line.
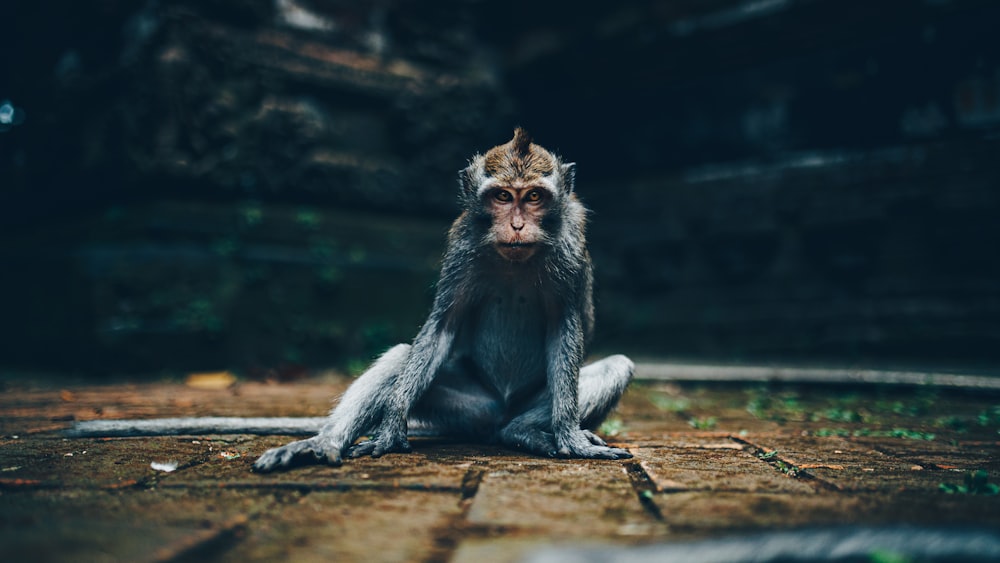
pixel 378 448
pixel 328 457
pixel 361 449
pixel 594 438
pixel 592 452
pixel 273 459
pixel 297 453
pixel 606 453
pixel 621 453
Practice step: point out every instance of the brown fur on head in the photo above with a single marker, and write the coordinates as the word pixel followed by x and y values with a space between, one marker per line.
pixel 519 159
pixel 513 186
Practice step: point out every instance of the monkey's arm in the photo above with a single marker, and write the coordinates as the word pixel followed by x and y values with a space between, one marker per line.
pixel 564 354
pixel 429 350
pixel 565 348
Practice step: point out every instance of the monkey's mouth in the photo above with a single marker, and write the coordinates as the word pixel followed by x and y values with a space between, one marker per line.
pixel 516 251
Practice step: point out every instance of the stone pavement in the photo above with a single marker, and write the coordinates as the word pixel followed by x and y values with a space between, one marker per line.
pixel 711 461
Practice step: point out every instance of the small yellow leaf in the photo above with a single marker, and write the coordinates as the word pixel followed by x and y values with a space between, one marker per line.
pixel 210 380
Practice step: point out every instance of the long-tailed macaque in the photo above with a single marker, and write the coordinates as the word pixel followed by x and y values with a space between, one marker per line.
pixel 499 357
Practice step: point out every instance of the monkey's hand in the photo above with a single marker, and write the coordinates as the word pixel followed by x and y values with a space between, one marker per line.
pixel 389 437
pixel 586 444
pixel 317 449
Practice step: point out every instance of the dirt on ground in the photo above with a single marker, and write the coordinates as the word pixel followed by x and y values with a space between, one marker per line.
pixel 711 461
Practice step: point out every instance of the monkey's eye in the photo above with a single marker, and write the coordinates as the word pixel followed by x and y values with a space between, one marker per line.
pixel 503 196
pixel 534 196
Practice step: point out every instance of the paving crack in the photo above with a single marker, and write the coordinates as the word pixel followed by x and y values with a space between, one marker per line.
pixel 210 543
pixel 783 466
pixel 450 533
pixel 306 487
pixel 471 481
pixel 644 488
pixel 204 542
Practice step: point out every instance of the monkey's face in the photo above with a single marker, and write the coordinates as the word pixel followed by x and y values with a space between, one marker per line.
pixel 516 230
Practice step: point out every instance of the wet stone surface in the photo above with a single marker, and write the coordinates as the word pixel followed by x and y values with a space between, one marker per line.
pixel 714 467
pixel 710 461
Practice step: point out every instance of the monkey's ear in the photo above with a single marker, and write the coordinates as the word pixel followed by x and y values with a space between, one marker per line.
pixel 569 176
pixel 465 181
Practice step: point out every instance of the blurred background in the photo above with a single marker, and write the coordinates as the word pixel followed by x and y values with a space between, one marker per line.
pixel 264 185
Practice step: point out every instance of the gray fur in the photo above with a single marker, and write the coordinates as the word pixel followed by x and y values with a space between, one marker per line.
pixel 195 426
pixel 499 357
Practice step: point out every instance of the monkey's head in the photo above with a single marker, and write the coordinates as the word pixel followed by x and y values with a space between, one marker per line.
pixel 520 191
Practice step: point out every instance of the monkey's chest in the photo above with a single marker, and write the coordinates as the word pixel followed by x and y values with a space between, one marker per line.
pixel 509 343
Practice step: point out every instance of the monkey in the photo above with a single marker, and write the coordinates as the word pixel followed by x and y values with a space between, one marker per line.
pixel 499 357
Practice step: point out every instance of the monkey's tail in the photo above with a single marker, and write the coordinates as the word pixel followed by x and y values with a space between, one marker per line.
pixel 265 426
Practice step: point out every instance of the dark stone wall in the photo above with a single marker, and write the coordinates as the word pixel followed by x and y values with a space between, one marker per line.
pixel 257 184
pixel 847 256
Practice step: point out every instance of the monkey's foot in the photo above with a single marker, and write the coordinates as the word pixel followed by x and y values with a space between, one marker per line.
pixel 378 447
pixel 302 452
pixel 583 443
pixel 586 444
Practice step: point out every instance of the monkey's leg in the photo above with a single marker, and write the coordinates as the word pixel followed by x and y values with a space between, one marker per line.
pixel 358 411
pixel 601 385
pixel 532 429
pixel 455 406
pixel 417 374
pixel 459 407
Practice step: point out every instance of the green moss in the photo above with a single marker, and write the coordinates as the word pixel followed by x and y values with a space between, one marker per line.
pixel 707 423
pixel 905 433
pixel 976 483
pixel 611 427
pixel 308 218
pixel 776 406
pixel 881 556
pixel 989 417
pixel 670 404
pixel 837 414
pixel 251 214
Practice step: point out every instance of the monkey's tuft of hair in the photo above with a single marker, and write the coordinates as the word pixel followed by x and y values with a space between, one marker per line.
pixel 521 143
pixel 519 158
